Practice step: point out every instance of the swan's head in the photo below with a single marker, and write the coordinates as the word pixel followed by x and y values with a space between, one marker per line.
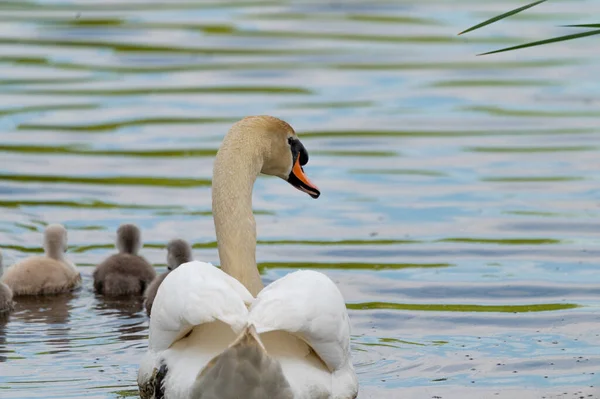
pixel 129 239
pixel 178 252
pixel 55 240
pixel 284 154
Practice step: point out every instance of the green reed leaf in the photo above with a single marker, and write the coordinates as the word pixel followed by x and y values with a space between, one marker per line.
pixel 581 26
pixel 547 41
pixel 502 16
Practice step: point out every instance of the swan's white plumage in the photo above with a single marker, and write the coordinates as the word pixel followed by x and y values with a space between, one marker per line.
pixel 308 304
pixel 193 294
pixel 199 297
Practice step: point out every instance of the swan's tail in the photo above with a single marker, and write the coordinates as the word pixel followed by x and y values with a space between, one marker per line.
pixel 244 370
pixel 117 284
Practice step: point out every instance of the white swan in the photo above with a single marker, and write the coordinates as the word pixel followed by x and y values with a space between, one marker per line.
pixel 217 333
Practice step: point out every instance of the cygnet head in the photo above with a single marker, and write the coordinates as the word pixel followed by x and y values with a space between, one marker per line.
pixel 282 152
pixel 129 239
pixel 1 265
pixel 178 252
pixel 55 241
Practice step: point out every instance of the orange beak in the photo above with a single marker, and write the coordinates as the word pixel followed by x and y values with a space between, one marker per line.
pixel 299 180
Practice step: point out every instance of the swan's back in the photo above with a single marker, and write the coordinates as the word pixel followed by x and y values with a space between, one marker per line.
pixel 199 338
pixel 243 370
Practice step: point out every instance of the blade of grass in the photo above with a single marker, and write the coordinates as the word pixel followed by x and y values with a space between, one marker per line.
pixel 581 26
pixel 547 41
pixel 502 16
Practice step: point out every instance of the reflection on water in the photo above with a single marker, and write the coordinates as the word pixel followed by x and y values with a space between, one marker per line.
pixel 53 309
pixel 3 351
pixel 460 193
pixel 131 322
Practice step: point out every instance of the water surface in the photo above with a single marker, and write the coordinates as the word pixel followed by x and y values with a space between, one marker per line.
pixel 459 213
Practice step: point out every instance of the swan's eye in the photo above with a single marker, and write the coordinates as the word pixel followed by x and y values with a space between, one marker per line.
pixel 298 150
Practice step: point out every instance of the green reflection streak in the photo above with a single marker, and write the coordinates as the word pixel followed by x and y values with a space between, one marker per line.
pixel 127 393
pixel 46 381
pixel 441 133
pixel 349 266
pixel 85 248
pixel 103 127
pixel 503 241
pixel 115 91
pixel 26 227
pixel 532 179
pixel 208 213
pixel 356 153
pixel 86 228
pixel 338 242
pixel 321 265
pixel 31 81
pixel 92 204
pixel 41 108
pixel 543 214
pixel 77 150
pixel 517 150
pixel 401 341
pixel 377 344
pixel 213 244
pixel 499 111
pixel 168 153
pixel 390 19
pixel 321 105
pixel 463 66
pixel 117 180
pixel 148 48
pixel 273 64
pixel 133 6
pixel 492 83
pixel 230 30
pixel 463 308
pixel 388 341
pixel 20 248
pixel 116 23
pixel 357 37
pixel 412 172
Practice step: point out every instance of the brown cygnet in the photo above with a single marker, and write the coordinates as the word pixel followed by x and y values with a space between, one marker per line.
pixel 6 295
pixel 178 252
pixel 125 273
pixel 50 274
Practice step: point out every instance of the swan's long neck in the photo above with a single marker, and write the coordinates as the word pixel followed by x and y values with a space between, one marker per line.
pixel 238 163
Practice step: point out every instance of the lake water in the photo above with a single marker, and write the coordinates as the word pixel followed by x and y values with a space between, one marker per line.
pixel 460 195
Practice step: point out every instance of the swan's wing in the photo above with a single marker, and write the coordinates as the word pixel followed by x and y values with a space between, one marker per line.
pixel 192 294
pixel 309 305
